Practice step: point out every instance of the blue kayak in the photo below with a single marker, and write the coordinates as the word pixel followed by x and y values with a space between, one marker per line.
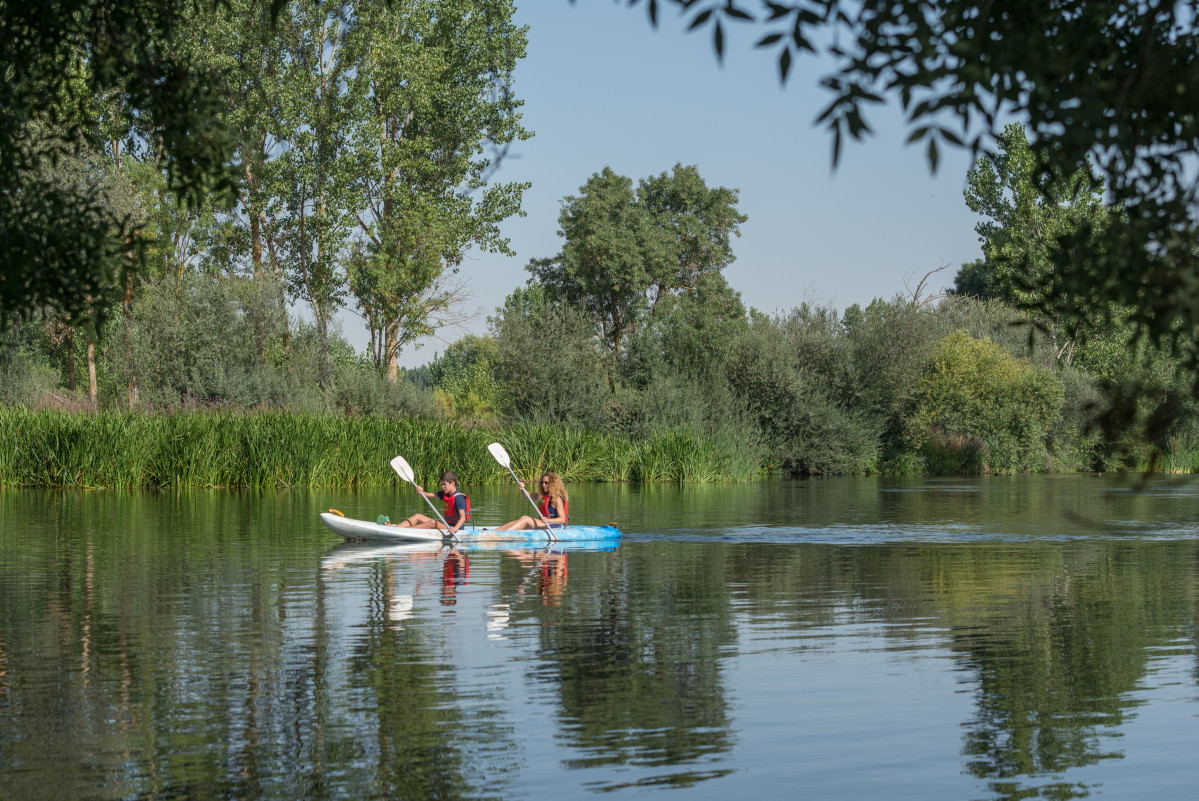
pixel 352 529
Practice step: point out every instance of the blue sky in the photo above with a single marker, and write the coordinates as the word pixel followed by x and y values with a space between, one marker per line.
pixel 602 88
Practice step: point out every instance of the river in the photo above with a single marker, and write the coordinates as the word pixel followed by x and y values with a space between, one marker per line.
pixel 966 638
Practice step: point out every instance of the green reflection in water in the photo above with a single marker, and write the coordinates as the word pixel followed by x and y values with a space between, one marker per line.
pixel 190 644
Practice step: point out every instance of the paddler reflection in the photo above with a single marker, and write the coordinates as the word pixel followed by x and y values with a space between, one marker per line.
pixel 455 572
pixel 408 572
pixel 549 568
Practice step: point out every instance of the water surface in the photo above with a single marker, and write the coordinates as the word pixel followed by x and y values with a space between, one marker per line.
pixel 855 638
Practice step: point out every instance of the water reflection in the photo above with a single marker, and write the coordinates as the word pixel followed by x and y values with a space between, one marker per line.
pixel 638 669
pixel 216 645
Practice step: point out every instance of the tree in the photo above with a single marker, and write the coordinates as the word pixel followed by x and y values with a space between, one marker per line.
pixel 546 360
pixel 689 335
pixel 1029 209
pixel 627 252
pixel 432 91
pixel 1109 83
pixel 311 178
pixel 59 244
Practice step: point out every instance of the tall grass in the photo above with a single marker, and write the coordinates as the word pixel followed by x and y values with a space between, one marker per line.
pixel 1180 455
pixel 283 449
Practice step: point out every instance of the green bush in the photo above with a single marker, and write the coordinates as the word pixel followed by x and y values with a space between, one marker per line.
pixel 547 363
pixel 975 390
pixel 803 429
pixel 24 381
pixel 888 344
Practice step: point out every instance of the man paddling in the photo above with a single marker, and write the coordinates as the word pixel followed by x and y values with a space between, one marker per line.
pixel 456 507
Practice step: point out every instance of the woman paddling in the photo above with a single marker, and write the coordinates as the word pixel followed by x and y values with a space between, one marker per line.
pixel 553 506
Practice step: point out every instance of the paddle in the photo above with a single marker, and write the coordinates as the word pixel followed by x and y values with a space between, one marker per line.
pixel 404 470
pixel 501 456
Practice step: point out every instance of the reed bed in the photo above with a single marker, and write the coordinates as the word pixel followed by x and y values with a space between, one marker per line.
pixel 263 449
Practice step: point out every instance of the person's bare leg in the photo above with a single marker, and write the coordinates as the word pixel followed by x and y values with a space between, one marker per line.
pixel 420 521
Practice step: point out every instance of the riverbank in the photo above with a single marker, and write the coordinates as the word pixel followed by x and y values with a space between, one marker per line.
pixel 263 449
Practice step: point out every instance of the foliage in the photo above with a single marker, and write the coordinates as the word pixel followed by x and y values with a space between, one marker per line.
pixel 887 346
pixel 1110 83
pixel 804 428
pixel 1028 206
pixel 218 341
pixel 61 243
pixel 547 363
pixel 464 378
pixel 430 90
pixel 1000 406
pixel 690 335
pixel 627 252
pixel 310 179
pixel 24 381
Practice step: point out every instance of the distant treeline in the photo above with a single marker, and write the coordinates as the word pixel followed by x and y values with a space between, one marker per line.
pixel 898 387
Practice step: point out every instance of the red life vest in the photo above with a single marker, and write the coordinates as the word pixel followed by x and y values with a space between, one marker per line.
pixel 548 510
pixel 450 511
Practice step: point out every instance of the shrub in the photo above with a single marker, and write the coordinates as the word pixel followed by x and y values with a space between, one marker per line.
pixel 23 381
pixel 802 427
pixel 975 389
pixel 547 362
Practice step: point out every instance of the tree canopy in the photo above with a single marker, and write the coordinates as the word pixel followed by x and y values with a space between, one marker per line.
pixel 1027 209
pixel 61 243
pixel 626 252
pixel 1108 83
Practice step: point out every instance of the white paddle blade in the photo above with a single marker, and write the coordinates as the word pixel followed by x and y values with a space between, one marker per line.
pixel 501 455
pixel 402 467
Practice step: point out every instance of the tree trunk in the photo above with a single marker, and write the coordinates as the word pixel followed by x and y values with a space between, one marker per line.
pixel 92 392
pixel 389 335
pixel 71 359
pixel 326 365
pixel 277 272
pixel 127 310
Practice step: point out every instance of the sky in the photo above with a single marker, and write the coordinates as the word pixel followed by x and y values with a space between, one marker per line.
pixel 601 88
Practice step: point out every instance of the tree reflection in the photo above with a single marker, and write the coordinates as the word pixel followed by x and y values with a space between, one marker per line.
pixel 148 663
pixel 189 649
pixel 1058 662
pixel 636 657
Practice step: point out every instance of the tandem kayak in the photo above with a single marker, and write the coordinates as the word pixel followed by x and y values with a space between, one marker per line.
pixel 353 529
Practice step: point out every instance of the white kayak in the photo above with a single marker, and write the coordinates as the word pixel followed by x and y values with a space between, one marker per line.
pixel 353 529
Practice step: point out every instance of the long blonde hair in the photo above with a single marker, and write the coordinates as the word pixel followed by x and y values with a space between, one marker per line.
pixel 556 488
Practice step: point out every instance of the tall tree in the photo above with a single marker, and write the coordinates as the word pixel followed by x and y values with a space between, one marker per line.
pixel 1030 209
pixel 246 40
pixel 432 82
pixel 626 251
pixel 312 176
pixel 1112 82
